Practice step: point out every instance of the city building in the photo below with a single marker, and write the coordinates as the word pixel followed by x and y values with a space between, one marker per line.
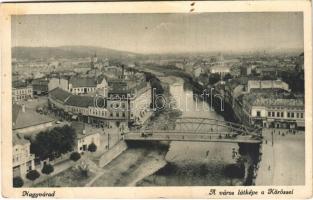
pixel 40 86
pixel 222 70
pixel 273 109
pixel 127 101
pixel 266 84
pixel 196 71
pixel 58 82
pixel 85 85
pixel 85 137
pixel 21 91
pixel 23 160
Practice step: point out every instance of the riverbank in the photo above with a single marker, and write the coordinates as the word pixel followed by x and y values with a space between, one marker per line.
pixel 140 159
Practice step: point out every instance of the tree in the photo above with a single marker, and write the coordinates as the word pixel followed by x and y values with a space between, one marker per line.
pixel 51 144
pixel 32 175
pixel 18 182
pixel 227 77
pixel 47 169
pixel 214 78
pixel 75 156
pixel 92 147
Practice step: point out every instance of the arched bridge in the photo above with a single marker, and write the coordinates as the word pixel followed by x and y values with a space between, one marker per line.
pixel 199 130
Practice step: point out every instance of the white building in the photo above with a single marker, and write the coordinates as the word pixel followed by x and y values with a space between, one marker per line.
pixel 85 137
pixel 220 69
pixel 21 91
pixel 23 160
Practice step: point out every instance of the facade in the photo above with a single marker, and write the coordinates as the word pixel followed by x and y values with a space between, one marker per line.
pixel 21 91
pixel 220 69
pixel 125 102
pixel 273 111
pixel 85 85
pixel 85 137
pixel 40 86
pixel 58 83
pixel 23 160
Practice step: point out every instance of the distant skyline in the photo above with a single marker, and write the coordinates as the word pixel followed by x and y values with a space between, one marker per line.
pixel 163 33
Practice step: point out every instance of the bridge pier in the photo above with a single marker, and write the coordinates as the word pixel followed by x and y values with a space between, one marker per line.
pixel 252 152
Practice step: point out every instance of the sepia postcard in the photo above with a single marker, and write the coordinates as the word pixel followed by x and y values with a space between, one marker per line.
pixel 204 99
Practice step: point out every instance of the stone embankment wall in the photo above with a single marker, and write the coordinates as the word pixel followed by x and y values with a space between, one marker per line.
pixel 110 155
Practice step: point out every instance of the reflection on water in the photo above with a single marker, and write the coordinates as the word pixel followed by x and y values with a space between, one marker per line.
pixel 196 163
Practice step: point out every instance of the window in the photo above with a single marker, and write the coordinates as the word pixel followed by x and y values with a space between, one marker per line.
pixel 111 114
pixel 117 114
pixel 298 115
pixel 278 114
pixel 273 114
pixel 288 114
pixel 269 114
pixel 258 113
pixel 123 114
pixel 292 115
pixel 301 115
pixel 282 114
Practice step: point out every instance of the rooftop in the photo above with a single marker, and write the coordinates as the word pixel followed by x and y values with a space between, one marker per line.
pixel 26 118
pixel 272 97
pixel 83 82
pixel 18 140
pixel 80 101
pixel 59 94
pixel 76 100
pixel 19 84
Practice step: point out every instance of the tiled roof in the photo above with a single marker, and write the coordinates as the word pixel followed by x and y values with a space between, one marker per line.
pixel 27 118
pixel 41 81
pixel 59 94
pixel 76 100
pixel 19 84
pixel 83 82
pixel 270 97
pixel 80 101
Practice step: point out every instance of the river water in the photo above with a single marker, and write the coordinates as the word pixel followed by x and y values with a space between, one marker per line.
pixel 194 163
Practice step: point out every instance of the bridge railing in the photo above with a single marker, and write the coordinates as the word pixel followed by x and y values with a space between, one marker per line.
pixel 234 127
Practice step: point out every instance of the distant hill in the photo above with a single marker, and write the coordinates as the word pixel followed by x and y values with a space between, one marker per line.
pixel 68 52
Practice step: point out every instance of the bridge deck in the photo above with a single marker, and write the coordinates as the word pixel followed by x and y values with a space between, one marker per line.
pixel 162 136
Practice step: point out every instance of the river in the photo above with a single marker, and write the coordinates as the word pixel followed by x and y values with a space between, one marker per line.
pixel 193 163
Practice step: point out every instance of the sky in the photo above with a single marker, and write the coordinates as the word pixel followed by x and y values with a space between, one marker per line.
pixel 163 33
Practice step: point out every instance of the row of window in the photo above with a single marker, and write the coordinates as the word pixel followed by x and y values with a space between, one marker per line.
pixel 23 91
pixel 81 90
pixel 104 113
pixel 118 105
pixel 289 114
pixel 22 97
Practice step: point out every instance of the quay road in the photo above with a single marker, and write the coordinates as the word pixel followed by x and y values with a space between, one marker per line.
pixel 191 137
